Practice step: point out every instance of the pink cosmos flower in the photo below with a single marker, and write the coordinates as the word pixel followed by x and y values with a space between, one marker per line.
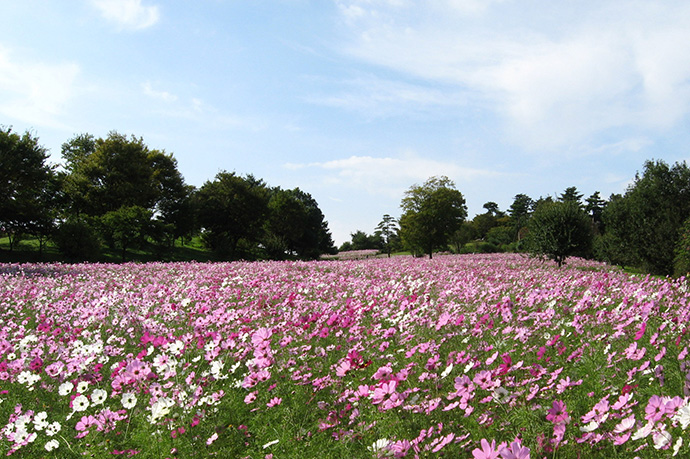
pixel 515 451
pixel 656 408
pixel 488 451
pixel 483 380
pixel 274 402
pixel 558 413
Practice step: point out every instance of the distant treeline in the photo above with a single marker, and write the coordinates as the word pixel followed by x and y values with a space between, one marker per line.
pixel 119 194
pixel 648 227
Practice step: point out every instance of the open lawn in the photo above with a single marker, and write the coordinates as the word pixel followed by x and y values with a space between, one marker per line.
pixel 469 356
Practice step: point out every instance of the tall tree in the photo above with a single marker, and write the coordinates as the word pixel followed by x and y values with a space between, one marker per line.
pixel 295 226
pixel 520 211
pixel 650 215
pixel 595 208
pixel 388 228
pixel 571 195
pixel 25 186
pixel 558 230
pixel 432 212
pixel 232 208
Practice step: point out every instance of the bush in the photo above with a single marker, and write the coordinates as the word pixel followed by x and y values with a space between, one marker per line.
pixel 681 262
pixel 77 240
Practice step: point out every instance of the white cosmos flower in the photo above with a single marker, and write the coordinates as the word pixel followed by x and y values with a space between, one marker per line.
pixel 52 444
pixel 677 445
pixel 447 371
pixel 98 396
pixel 129 400
pixel 160 409
pixel 378 445
pixel 40 422
pixel 53 428
pixel 683 416
pixel 80 403
pixel 661 439
pixel 82 386
pixel 270 443
pixel 591 427
pixel 65 388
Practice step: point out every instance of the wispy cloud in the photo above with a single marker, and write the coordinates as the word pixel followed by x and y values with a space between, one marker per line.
pixel 128 14
pixel 557 78
pixel 389 176
pixel 378 97
pixel 164 96
pixel 35 92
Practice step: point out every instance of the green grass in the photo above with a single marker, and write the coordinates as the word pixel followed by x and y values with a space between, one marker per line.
pixel 27 251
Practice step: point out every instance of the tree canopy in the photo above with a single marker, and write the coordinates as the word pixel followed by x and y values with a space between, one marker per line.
pixel 432 212
pixel 558 230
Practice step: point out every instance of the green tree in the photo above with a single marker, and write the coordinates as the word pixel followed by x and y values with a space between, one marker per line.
pixel 571 195
pixel 106 174
pixel 25 186
pixel 295 226
pixel 232 209
pixel 595 208
pixel 432 212
pixel 681 265
pixel 558 230
pixel 126 227
pixel 647 221
pixel 388 228
pixel 520 211
pixel 462 236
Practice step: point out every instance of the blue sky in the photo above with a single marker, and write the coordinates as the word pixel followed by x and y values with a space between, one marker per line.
pixel 354 101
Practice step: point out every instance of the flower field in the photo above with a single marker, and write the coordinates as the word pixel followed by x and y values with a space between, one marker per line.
pixel 473 356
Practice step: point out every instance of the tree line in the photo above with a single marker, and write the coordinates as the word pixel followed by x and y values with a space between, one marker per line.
pixel 647 227
pixel 118 193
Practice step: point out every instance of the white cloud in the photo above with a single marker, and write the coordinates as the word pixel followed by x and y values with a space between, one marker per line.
pixel 390 176
pixel 157 94
pixel 35 92
pixel 128 14
pixel 374 96
pixel 557 76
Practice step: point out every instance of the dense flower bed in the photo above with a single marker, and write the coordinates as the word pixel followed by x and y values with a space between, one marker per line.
pixel 484 356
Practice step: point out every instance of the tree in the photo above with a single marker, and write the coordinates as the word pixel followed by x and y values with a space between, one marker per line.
pixel 106 174
pixel 571 195
pixel 388 228
pixel 25 186
pixel 232 208
pixel 520 211
pixel 492 208
pixel 595 208
pixel 126 227
pixel 558 230
pixel 432 212
pixel 295 226
pixel 647 221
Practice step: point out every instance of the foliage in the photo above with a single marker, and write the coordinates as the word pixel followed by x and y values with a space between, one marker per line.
pixel 126 227
pixel 25 186
pixel 644 225
pixel 559 230
pixel 232 208
pixel 571 195
pixel 479 356
pixel 295 226
pixel 77 239
pixel 388 229
pixel 432 212
pixel 681 263
pixel 520 211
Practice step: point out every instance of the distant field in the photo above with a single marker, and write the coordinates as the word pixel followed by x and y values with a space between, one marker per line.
pixel 484 356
